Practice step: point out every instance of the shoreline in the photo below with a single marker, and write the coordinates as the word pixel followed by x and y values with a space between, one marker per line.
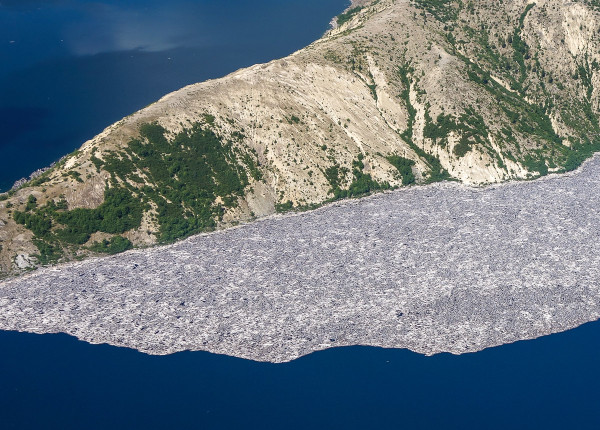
pixel 445 268
pixel 299 213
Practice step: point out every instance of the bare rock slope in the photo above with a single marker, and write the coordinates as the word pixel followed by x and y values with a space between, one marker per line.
pixel 400 92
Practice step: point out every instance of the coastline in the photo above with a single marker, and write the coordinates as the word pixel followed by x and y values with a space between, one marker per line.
pixel 423 280
pixel 441 268
pixel 325 206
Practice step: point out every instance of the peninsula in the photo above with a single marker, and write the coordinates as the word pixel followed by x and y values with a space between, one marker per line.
pixel 399 93
pixel 434 112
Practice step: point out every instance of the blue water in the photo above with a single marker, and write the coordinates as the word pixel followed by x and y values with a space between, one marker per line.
pixel 57 382
pixel 69 68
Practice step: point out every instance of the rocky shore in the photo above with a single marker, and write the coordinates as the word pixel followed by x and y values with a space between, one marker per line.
pixel 36 174
pixel 433 269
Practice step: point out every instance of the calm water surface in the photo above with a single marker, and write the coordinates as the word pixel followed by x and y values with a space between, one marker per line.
pixel 69 68
pixel 57 382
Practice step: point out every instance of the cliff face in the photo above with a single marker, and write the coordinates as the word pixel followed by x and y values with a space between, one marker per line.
pixel 400 92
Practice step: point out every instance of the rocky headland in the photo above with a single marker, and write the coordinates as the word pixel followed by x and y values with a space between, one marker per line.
pixel 399 93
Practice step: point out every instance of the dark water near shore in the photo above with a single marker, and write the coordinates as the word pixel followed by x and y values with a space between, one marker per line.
pixel 57 382
pixel 69 68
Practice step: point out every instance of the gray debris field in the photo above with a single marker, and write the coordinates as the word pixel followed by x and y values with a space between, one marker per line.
pixel 434 268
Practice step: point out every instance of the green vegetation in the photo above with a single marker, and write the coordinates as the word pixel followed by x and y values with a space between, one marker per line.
pixel 536 165
pixel 184 183
pixel 184 177
pixel 47 253
pixel 594 4
pixel 462 147
pixel 404 72
pixel 115 245
pixel 439 130
pixel 31 203
pixel 55 228
pixel 209 119
pixel 362 183
pixel 284 207
pixel 373 89
pixel 520 48
pixel 348 15
pixel 437 172
pixel 578 153
pixel 518 116
pixel 42 179
pixel 75 175
pixel 39 224
pixel 404 166
pixel 252 165
pixel 332 56
pixel 120 212
pixel 188 180
pixel 528 118
pixel 335 176
pixel 470 125
pixel 443 10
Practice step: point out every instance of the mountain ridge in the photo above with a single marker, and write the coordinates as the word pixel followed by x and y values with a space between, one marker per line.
pixel 401 92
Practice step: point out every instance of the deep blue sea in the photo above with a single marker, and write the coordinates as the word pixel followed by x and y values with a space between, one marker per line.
pixel 68 69
pixel 58 382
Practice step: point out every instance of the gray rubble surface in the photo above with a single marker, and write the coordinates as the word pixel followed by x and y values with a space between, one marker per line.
pixel 432 269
